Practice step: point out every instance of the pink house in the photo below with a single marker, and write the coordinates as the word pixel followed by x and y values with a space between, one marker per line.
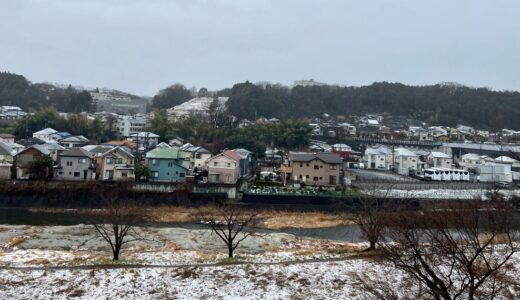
pixel 224 168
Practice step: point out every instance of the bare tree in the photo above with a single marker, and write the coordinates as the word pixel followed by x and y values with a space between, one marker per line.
pixel 116 223
pixel 458 250
pixel 371 210
pixel 231 224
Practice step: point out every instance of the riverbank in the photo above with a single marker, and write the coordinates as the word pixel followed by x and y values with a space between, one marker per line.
pixel 63 262
pixel 168 215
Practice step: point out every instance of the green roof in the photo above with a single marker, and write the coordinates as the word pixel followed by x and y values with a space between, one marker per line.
pixel 165 153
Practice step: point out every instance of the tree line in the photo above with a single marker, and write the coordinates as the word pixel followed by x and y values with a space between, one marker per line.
pixel 16 90
pixel 215 136
pixel 440 104
pixel 96 130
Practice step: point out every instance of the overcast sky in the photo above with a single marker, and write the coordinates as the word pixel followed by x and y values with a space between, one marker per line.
pixel 141 46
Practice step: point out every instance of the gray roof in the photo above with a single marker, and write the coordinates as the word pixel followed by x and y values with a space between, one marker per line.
pixel 330 158
pixel 242 152
pixel 5 149
pixel 485 147
pixel 77 152
pixel 99 149
pixel 30 141
pixel 75 138
pixel 122 149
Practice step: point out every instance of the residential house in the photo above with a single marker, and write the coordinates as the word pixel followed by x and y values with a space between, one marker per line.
pixel 145 140
pixel 348 129
pixel 76 164
pixel 317 169
pixel 131 125
pixel 54 149
pixel 316 129
pixel 9 113
pixel 131 145
pixel 6 137
pixel 5 170
pixel 162 145
pixel 176 142
pixel 45 134
pixel 194 156
pixel 470 161
pixel 23 159
pixel 437 131
pixel 224 167
pixel 30 141
pixel 405 160
pixel 165 164
pixel 6 153
pixel 246 161
pixel 379 157
pixel 508 160
pixel 58 136
pixel 437 159
pixel 343 150
pixel 73 141
pixel 114 164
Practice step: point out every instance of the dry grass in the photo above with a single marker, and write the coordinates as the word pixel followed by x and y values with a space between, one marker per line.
pixel 276 219
pixel 495 240
pixel 270 219
pixel 15 241
pixel 39 261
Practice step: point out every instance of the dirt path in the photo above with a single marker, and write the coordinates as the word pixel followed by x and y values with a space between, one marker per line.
pixel 143 266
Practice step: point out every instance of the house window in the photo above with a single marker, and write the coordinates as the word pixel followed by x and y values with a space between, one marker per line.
pixel 110 161
pixel 198 156
pixel 301 176
pixel 154 161
pixel 170 164
pixel 316 167
pixel 307 176
pixel 119 160
pixel 215 164
pixel 307 165
pixel 69 163
pixel 228 178
pixel 333 167
pixel 228 165
pixel 155 174
pixel 315 178
pixel 76 174
pixel 181 175
pixel 124 174
pixel 301 165
pixel 82 160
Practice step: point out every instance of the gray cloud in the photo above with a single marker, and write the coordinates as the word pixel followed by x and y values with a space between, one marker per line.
pixel 141 46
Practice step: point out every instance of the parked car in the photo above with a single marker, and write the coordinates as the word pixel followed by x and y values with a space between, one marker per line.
pixel 502 185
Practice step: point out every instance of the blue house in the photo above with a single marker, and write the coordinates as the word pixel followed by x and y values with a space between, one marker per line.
pixel 246 161
pixel 165 165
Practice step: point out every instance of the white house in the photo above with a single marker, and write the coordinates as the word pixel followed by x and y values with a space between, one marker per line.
pixel 378 158
pixel 145 140
pixel 45 134
pixel 437 131
pixel 507 160
pixel 405 161
pixel 439 160
pixel 470 161
pixel 129 125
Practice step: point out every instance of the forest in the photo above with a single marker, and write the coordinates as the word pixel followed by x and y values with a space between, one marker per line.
pixel 16 90
pixel 441 104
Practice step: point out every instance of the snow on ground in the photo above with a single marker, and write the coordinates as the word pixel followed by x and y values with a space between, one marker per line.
pixel 330 280
pixel 441 194
pixel 272 266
